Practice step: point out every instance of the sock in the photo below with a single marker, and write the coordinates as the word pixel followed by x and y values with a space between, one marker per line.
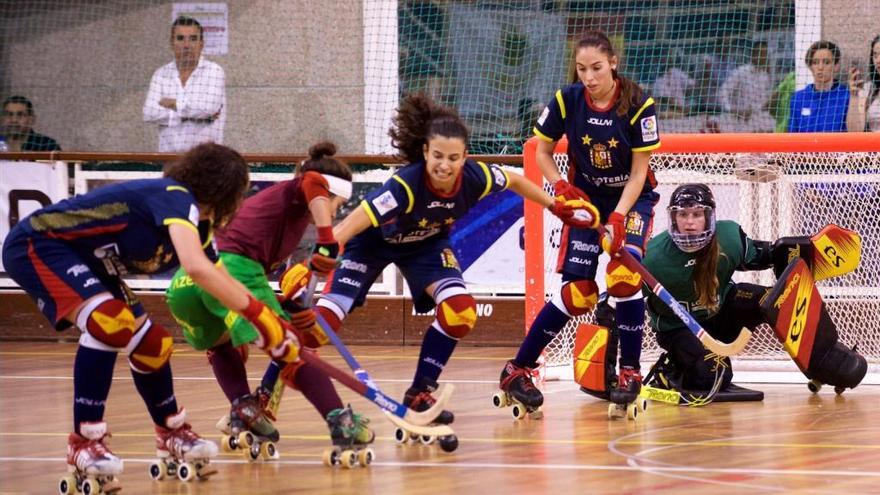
pixel 157 390
pixel 630 316
pixel 229 370
pixel 547 324
pixel 270 376
pixel 317 388
pixel 92 377
pixel 437 347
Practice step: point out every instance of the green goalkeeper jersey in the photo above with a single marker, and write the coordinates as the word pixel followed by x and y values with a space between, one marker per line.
pixel 674 269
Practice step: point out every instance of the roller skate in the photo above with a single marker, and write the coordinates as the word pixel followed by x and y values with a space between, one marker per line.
pixel 350 436
pixel 247 428
pixel 625 398
pixel 91 467
pixel 420 399
pixel 181 451
pixel 519 392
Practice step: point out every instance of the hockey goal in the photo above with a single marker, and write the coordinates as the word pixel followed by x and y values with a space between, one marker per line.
pixel 773 185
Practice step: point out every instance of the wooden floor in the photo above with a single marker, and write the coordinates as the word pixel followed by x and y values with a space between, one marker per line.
pixel 793 442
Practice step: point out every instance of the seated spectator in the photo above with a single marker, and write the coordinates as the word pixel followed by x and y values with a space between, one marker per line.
pixel 746 92
pixel 863 113
pixel 17 127
pixel 670 92
pixel 703 96
pixel 821 106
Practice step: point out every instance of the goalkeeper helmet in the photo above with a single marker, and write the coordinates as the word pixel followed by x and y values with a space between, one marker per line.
pixel 688 203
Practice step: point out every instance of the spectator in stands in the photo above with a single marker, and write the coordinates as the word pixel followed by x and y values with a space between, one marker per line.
pixel 17 127
pixel 863 113
pixel 187 97
pixel 821 106
pixel 670 91
pixel 780 101
pixel 746 91
pixel 703 96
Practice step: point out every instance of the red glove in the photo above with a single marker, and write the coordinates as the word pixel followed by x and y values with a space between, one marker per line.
pixel 269 327
pixel 293 281
pixel 615 236
pixel 564 191
pixel 576 213
pixel 326 250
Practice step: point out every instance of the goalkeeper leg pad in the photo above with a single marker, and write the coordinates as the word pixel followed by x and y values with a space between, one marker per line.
pixel 832 252
pixel 801 322
pixel 595 353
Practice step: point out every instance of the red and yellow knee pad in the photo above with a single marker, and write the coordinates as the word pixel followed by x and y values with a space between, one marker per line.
pixel 579 296
pixel 154 349
pixel 457 315
pixel 620 280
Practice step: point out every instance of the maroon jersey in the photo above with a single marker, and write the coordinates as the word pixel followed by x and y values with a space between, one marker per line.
pixel 269 225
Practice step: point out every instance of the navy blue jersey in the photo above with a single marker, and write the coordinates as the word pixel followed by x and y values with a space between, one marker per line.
pixel 125 225
pixel 600 143
pixel 406 209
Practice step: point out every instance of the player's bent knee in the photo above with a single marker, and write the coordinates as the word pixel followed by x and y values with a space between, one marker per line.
pixel 621 281
pixel 107 320
pixel 579 296
pixel 153 350
pixel 457 315
pixel 288 373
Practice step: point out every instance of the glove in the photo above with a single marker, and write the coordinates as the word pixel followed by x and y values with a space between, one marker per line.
pixel 564 191
pixel 288 350
pixel 293 280
pixel 323 259
pixel 305 321
pixel 576 213
pixel 613 242
pixel 270 328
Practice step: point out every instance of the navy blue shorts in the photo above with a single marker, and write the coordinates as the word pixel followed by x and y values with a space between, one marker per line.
pixel 421 263
pixel 58 278
pixel 579 258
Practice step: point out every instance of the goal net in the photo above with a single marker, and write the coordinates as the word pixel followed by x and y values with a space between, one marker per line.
pixel 773 186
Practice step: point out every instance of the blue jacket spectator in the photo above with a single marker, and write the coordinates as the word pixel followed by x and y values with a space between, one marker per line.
pixel 821 106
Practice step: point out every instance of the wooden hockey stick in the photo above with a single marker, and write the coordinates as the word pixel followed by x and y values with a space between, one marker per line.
pixel 708 341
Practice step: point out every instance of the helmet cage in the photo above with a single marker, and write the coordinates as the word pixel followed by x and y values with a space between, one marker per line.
pixel 691 242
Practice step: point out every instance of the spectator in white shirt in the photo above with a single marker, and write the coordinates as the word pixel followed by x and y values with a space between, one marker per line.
pixel 187 97
pixel 863 113
pixel 747 90
pixel 670 92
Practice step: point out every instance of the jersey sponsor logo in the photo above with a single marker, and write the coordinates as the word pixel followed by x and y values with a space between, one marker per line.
pixel 77 270
pixel 193 214
pixel 90 282
pixel 649 128
pixel 384 203
pixel 584 247
pixel 600 156
pixel 544 115
pixel 580 261
pixel 414 236
pixel 634 223
pixel 350 281
pixel 353 265
pixel 616 181
pixel 602 122
pixel 691 262
pixel 441 204
pixel 500 179
pixel 630 328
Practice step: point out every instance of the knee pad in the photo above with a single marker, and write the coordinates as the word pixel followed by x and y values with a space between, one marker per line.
pixel 577 297
pixel 621 281
pixel 106 321
pixel 456 312
pixel 840 367
pixel 153 350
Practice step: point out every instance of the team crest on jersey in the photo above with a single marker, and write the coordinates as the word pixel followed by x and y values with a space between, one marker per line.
pixel 634 223
pixel 601 156
pixel 384 203
pixel 649 128
pixel 448 259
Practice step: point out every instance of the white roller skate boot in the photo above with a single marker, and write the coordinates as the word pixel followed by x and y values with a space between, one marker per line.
pixel 181 451
pixel 91 466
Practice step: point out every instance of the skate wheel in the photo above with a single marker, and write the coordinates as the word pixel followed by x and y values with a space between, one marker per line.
pixel 251 453
pixel 839 390
pixel 427 439
pixel 814 385
pixel 185 471
pixel 246 439
pixel 157 470
pixel 449 443
pixel 642 403
pixel 518 411
pixel 269 451
pixel 348 459
pixel 90 486
pixel 400 436
pixel 632 411
pixel 67 485
pixel 499 400
pixel 329 457
pixel 365 457
pixel 227 443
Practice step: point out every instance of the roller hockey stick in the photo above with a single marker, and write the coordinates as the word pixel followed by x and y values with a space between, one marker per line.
pixel 397 413
pixel 708 341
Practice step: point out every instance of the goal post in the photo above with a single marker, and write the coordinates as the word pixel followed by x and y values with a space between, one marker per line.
pixel 774 185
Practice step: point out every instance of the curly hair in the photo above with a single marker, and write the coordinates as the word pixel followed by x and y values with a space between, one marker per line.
pixel 216 175
pixel 630 92
pixel 321 160
pixel 418 120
